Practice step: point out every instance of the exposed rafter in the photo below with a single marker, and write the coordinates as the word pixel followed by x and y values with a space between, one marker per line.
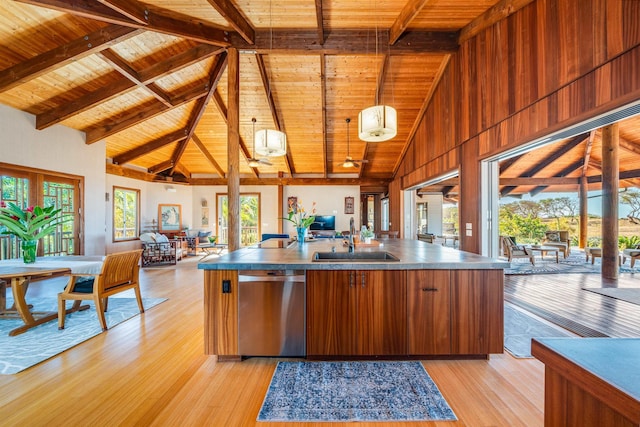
pixel 63 55
pixel 408 12
pixel 159 20
pixel 491 16
pixel 198 143
pixel 234 18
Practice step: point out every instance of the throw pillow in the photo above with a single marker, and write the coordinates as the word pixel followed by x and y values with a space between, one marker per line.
pixel 553 237
pixel 148 237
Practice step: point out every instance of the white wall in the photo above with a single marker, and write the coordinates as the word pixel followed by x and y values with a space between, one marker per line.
pixel 59 149
pixel 434 212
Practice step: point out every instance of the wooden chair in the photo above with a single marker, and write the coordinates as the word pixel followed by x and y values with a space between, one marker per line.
pixel 119 273
pixel 516 251
pixel 558 239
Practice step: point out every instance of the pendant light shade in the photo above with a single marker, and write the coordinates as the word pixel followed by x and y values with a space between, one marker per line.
pixel 271 143
pixel 377 123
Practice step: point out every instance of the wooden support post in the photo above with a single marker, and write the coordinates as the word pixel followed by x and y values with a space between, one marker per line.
pixel 280 203
pixel 610 170
pixel 233 148
pixel 584 214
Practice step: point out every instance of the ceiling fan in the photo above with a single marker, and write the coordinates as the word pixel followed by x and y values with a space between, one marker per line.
pixel 253 161
pixel 349 162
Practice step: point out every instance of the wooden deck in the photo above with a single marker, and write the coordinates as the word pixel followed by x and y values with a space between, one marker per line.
pixel 561 299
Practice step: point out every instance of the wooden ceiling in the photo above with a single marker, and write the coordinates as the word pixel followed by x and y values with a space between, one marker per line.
pixel 151 78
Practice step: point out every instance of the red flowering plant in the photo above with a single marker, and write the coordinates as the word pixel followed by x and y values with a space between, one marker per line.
pixel 31 223
pixel 299 217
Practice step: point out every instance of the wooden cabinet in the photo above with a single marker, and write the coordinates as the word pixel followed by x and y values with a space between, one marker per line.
pixel 477 311
pixel 356 313
pixel 429 312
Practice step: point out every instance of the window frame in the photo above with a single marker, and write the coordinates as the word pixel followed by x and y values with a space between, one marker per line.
pixel 136 236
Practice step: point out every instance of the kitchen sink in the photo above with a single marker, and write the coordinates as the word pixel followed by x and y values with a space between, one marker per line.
pixel 355 256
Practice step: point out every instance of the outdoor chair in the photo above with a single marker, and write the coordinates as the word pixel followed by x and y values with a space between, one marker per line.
pixel 427 237
pixel 633 253
pixel 516 251
pixel 558 239
pixel 119 273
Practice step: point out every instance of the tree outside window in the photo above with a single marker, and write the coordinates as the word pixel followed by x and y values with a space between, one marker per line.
pixel 126 224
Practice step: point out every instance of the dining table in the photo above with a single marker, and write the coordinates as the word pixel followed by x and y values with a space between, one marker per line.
pixel 17 275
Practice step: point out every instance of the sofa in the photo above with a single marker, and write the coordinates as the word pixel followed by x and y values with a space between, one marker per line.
pixel 157 249
pixel 558 239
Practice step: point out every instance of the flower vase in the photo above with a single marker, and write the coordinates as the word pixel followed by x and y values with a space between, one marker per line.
pixel 302 233
pixel 29 249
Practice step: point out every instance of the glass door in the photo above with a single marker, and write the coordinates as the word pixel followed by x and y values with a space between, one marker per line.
pixel 249 218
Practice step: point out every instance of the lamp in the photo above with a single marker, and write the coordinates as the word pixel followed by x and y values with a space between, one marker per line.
pixel 379 122
pixel 270 143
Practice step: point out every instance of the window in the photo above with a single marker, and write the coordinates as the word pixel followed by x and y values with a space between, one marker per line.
pixel 126 205
pixel 249 219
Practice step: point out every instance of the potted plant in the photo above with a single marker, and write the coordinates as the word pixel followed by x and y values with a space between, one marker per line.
pixel 300 219
pixel 366 235
pixel 30 225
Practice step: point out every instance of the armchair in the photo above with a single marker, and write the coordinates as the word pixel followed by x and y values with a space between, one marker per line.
pixel 558 239
pixel 119 273
pixel 157 249
pixel 516 251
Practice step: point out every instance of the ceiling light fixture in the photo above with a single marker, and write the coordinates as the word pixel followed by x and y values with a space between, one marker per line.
pixel 379 122
pixel 253 161
pixel 270 142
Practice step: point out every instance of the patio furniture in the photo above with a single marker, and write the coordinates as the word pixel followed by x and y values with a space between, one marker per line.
pixel 544 250
pixel 516 251
pixel 559 239
pixel 594 253
pixel 633 253
pixel 119 273
pixel 427 237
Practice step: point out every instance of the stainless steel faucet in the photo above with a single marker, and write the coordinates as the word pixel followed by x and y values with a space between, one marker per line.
pixel 352 231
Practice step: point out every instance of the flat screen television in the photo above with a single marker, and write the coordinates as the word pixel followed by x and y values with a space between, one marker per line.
pixel 324 222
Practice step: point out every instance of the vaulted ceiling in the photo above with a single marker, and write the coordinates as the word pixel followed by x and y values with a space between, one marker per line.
pixel 150 78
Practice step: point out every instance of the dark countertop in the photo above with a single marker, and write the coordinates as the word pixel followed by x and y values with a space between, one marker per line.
pixel 413 254
pixel 614 361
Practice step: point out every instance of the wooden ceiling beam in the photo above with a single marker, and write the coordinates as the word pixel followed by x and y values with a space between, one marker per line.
pixel 552 157
pixel 137 115
pixel 106 93
pixel 266 84
pixel 364 182
pixel 234 18
pixel 564 172
pixel 320 21
pixel 62 55
pixel 343 41
pixel 198 143
pixel 201 105
pixel 148 147
pixel 587 152
pixel 159 20
pixel 496 13
pixel 161 167
pixel 539 181
pixel 629 146
pixel 630 174
pixel 132 9
pixel 120 65
pixel 410 10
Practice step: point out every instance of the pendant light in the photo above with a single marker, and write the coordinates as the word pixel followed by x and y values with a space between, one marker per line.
pixel 379 122
pixel 270 142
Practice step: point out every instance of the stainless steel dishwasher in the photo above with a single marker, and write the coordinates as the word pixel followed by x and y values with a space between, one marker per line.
pixel 271 313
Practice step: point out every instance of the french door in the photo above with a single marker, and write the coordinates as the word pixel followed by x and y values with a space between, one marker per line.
pixel 249 218
pixel 28 187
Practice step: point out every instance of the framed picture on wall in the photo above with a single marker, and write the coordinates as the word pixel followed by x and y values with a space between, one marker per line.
pixel 205 217
pixel 292 204
pixel 169 218
pixel 348 205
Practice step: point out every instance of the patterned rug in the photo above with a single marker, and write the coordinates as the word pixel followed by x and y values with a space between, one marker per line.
pixel 353 391
pixel 45 341
pixel 574 263
pixel 631 295
pixel 520 327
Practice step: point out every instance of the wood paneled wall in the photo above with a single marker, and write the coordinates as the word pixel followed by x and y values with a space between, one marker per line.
pixel 552 64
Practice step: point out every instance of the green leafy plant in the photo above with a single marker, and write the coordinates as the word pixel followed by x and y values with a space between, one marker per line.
pixel 31 223
pixel 299 217
pixel 366 233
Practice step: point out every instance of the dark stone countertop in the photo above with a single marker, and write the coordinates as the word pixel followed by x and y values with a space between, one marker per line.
pixel 413 254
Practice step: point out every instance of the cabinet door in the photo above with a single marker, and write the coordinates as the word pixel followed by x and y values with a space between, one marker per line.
pixel 477 311
pixel 429 311
pixel 330 313
pixel 382 313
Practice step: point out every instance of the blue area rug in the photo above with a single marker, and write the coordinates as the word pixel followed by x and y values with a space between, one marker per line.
pixel 574 263
pixel 44 341
pixel 353 391
pixel 520 327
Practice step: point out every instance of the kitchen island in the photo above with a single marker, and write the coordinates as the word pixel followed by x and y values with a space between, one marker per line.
pixel 432 301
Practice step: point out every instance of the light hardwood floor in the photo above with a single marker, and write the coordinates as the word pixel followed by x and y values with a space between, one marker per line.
pixel 151 370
